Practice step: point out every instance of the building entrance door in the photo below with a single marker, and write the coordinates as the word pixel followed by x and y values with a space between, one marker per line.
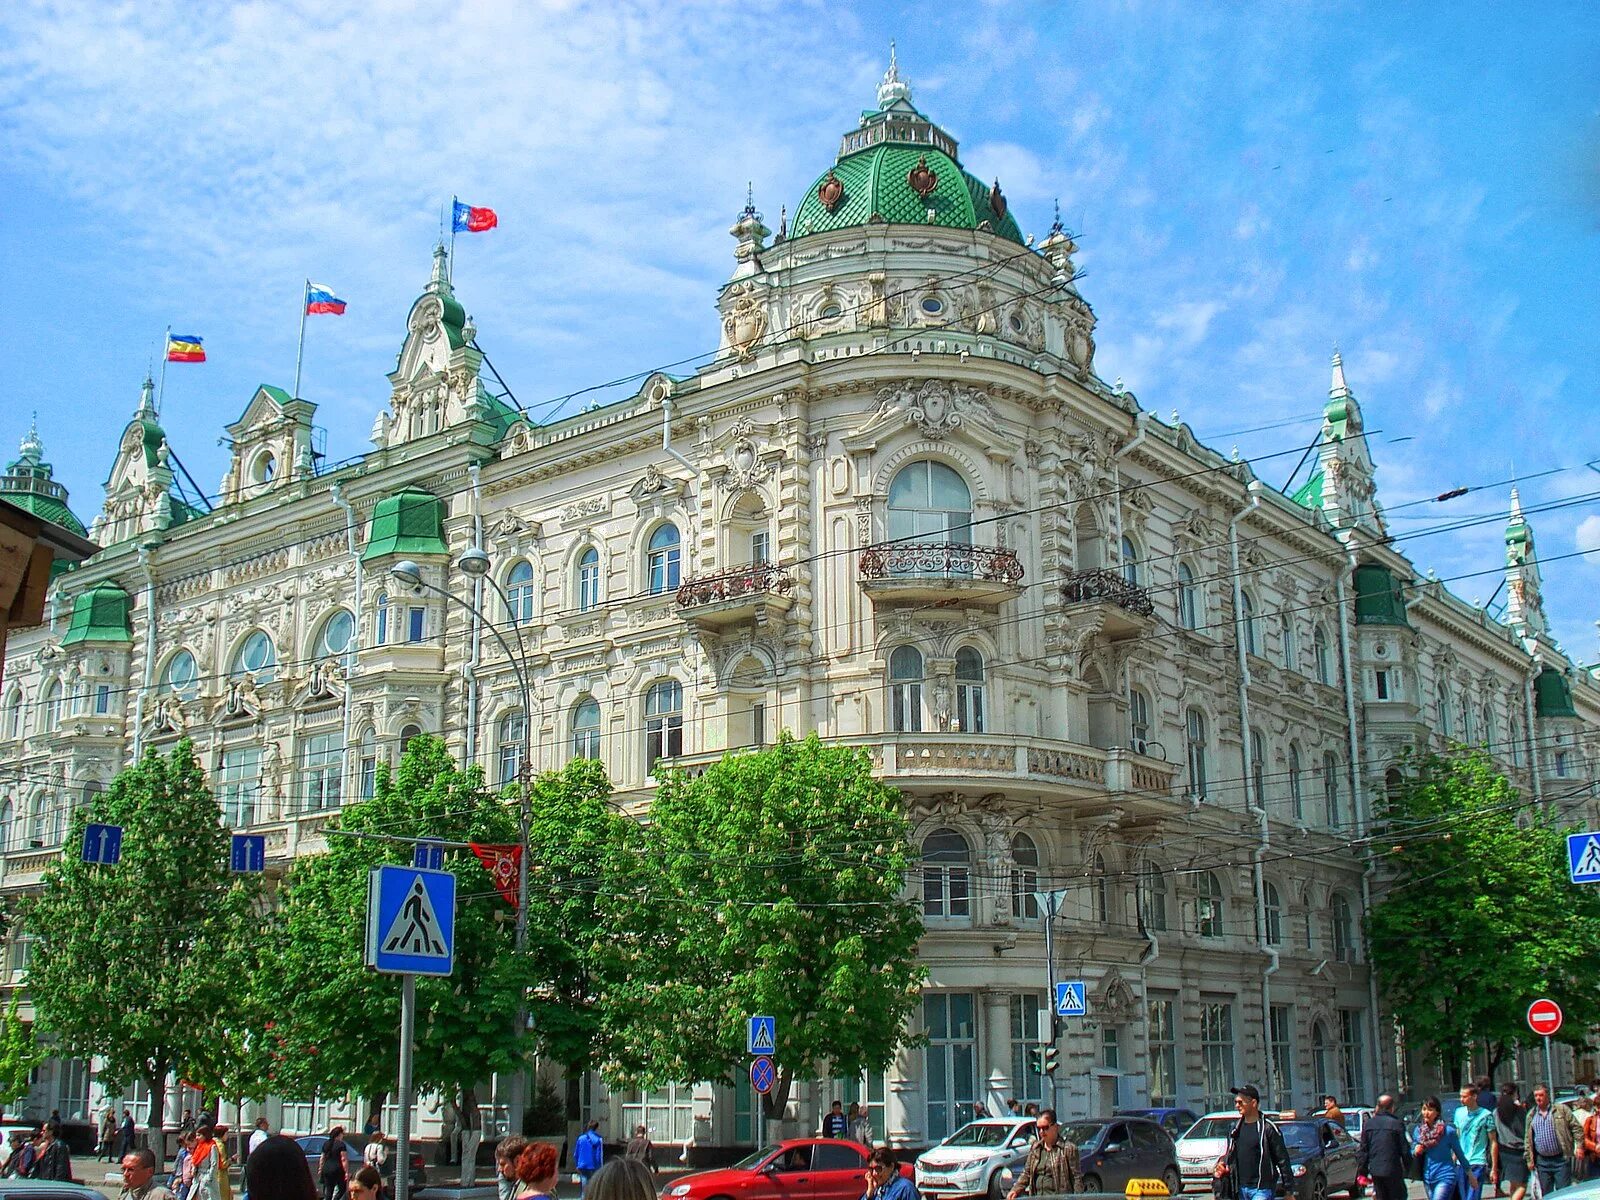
pixel 950 1060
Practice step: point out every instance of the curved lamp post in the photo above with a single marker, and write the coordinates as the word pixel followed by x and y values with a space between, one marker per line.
pixel 475 564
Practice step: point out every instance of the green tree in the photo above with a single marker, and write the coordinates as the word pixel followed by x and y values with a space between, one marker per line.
pixel 1477 917
pixel 772 883
pixel 132 962
pixel 20 1053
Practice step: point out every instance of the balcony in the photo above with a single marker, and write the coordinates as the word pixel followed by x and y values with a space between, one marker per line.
pixel 1120 609
pixel 940 571
pixel 750 593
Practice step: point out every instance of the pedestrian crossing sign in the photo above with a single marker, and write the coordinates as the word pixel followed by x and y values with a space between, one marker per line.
pixel 1583 856
pixel 411 921
pixel 1069 999
pixel 762 1036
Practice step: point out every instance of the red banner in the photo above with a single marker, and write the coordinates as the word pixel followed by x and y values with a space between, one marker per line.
pixel 501 862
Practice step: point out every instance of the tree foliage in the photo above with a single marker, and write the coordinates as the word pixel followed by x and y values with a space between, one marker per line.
pixel 20 1053
pixel 772 883
pixel 136 962
pixel 1478 918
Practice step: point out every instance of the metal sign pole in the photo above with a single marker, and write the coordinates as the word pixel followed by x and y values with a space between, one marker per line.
pixel 402 1141
pixel 1549 1071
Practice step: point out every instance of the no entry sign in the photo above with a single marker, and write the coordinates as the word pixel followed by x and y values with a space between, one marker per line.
pixel 1544 1017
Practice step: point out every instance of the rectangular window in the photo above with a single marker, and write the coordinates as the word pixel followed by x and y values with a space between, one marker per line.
pixel 1383 685
pixel 102 699
pixel 1352 1052
pixel 75 1089
pixel 323 769
pixel 969 707
pixel 369 777
pixel 668 1113
pixel 1281 1041
pixel 950 1061
pixel 1163 1049
pixel 589 586
pixel 760 546
pixel 1216 1050
pixel 1028 1030
pixel 416 624
pixel 1110 1048
pixel 241 783
pixel 758 723
pixel 906 703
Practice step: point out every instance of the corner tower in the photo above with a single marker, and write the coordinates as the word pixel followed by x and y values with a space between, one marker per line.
pixel 1524 599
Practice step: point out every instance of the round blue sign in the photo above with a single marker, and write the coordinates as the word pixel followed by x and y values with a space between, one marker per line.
pixel 762 1074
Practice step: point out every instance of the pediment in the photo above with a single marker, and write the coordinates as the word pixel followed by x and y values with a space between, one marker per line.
pixel 263 412
pixel 936 409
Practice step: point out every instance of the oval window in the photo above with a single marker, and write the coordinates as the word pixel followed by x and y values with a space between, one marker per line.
pixel 1016 323
pixel 933 305
pixel 831 312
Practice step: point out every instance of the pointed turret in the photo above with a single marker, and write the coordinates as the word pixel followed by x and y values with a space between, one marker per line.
pixel 893 88
pixel 1524 599
pixel 1343 484
pixel 29 483
pixel 139 496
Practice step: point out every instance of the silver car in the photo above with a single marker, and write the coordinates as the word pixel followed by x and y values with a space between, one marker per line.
pixel 971 1161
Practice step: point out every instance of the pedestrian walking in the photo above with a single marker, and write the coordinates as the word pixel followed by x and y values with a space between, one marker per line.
pixel 861 1125
pixel 1553 1141
pixel 53 1161
pixel 641 1149
pixel 623 1178
pixel 367 1184
pixel 125 1133
pixel 1488 1099
pixel 262 1132
pixel 1331 1110
pixel 506 1151
pixel 376 1152
pixel 1255 1163
pixel 1591 1139
pixel 588 1155
pixel 278 1170
pixel 835 1124
pixel 333 1168
pixel 1384 1155
pixel 106 1147
pixel 884 1181
pixel 1050 1169
pixel 1475 1130
pixel 1437 1147
pixel 20 1160
pixel 1510 1124
pixel 537 1170
pixel 139 1178
pixel 181 1181
pixel 209 1163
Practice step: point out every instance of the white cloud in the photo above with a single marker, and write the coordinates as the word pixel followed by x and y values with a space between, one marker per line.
pixel 1587 535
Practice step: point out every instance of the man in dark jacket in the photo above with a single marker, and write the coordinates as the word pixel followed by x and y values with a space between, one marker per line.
pixel 1385 1152
pixel 1255 1165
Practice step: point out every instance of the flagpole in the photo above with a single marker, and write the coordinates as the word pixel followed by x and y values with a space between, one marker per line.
pixel 450 266
pixel 300 352
pixel 166 349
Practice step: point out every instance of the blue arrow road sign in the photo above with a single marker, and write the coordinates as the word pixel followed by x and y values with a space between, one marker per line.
pixel 428 855
pixel 763 1036
pixel 102 844
pixel 762 1074
pixel 1583 857
pixel 1069 999
pixel 411 921
pixel 249 853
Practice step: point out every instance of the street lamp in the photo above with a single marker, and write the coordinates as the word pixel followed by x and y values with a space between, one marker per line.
pixel 475 564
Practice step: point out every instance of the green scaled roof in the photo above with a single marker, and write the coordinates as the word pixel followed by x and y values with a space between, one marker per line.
pixel 1553 694
pixel 100 615
pixel 1309 494
pixel 47 508
pixel 1380 600
pixel 409 522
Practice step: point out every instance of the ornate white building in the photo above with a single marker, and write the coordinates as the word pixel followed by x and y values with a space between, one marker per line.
pixel 900 509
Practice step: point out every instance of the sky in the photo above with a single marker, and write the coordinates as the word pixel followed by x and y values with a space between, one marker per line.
pixel 1250 184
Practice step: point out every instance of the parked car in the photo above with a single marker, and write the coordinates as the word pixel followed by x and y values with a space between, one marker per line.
pixel 46 1189
pixel 1323 1155
pixel 1113 1150
pixel 354 1159
pixel 969 1162
pixel 797 1169
pixel 1202 1144
pixel 1355 1119
pixel 1176 1121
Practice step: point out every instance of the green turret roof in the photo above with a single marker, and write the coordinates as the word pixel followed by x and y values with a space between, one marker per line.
pixel 29 483
pixel 100 614
pixel 408 522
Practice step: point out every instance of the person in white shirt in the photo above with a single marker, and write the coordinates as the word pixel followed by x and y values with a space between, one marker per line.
pixel 260 1135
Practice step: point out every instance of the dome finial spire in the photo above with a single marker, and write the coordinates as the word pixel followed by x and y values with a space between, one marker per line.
pixel 893 88
pixel 32 448
pixel 147 397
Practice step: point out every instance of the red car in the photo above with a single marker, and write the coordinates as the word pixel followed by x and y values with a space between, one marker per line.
pixel 799 1169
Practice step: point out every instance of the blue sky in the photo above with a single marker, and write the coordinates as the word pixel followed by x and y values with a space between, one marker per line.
pixel 1419 184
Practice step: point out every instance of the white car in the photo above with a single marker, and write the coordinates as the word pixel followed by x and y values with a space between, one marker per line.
pixel 1203 1144
pixel 970 1161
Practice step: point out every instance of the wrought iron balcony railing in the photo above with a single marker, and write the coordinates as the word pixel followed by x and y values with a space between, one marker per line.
pixel 1100 584
pixel 941 560
pixel 754 579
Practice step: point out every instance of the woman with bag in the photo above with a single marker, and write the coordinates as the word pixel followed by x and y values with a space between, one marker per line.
pixel 1510 1123
pixel 332 1167
pixel 1437 1150
pixel 210 1164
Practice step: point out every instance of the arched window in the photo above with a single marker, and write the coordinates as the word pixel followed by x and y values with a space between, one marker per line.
pixel 337 637
pixel 50 705
pixel 383 619
pixel 1138 721
pixel 586 729
pixel 1445 725
pixel 1330 789
pixel 929 502
pixel 1130 561
pixel 1297 799
pixel 180 677
pixel 905 689
pixel 1247 624
pixel 1188 598
pixel 1319 654
pixel 1516 740
pixel 1394 784
pixel 1152 897
pixel 519 592
pixel 1272 902
pixel 1487 730
pixel 8 822
pixel 1024 878
pixel 368 765
pixel 1258 768
pixel 969 690
pixel 1344 930
pixel 1195 731
pixel 407 734
pixel 1291 642
pixel 256 658
pixel 663 722
pixel 511 740
pixel 663 563
pixel 946 870
pixel 589 580
pixel 1466 720
pixel 1208 905
pixel 39 820
pixel 1319 1057
pixel 1101 888
pixel 13 718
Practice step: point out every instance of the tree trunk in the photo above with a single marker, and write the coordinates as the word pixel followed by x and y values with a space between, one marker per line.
pixel 156 1082
pixel 471 1135
pixel 776 1101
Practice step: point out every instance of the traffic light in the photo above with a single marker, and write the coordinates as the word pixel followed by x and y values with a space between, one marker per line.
pixel 1043 1059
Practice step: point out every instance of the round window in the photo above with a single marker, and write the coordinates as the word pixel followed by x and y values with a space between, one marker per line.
pixel 255 655
pixel 933 305
pixel 831 312
pixel 336 634
pixel 181 673
pixel 1016 323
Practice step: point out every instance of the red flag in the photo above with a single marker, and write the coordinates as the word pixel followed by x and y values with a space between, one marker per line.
pixel 502 863
pixel 469 218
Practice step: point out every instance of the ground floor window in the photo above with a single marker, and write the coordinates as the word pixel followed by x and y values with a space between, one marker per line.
pixel 74 1090
pixel 866 1090
pixel 1028 1030
pixel 951 1061
pixel 1352 1053
pixel 668 1113
pixel 1280 1034
pixel 1216 1050
pixel 1163 1010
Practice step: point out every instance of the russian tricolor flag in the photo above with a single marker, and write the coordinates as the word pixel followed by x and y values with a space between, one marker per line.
pixel 320 299
pixel 468 219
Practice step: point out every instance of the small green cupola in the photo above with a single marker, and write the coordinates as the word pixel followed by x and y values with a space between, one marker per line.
pixel 100 615
pixel 1552 694
pixel 30 484
pixel 898 167
pixel 1380 598
pixel 410 522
